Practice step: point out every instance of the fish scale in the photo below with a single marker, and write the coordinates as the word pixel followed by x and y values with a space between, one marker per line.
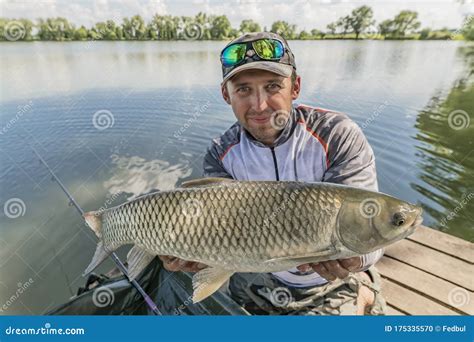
pixel 201 229
pixel 250 226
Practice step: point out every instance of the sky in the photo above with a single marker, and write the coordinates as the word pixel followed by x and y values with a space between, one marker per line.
pixel 306 14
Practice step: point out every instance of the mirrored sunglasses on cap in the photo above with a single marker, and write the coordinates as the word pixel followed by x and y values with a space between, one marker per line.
pixel 266 49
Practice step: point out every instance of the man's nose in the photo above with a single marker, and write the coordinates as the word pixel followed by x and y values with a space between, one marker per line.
pixel 259 101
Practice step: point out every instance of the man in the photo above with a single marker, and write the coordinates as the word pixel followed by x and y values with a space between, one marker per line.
pixel 273 139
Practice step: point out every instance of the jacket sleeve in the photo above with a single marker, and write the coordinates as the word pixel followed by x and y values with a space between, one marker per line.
pixel 212 165
pixel 352 162
pixel 351 159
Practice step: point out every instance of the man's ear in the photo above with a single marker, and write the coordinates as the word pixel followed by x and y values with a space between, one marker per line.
pixel 295 92
pixel 225 93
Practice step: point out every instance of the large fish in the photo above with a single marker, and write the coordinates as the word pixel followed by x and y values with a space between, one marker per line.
pixel 250 226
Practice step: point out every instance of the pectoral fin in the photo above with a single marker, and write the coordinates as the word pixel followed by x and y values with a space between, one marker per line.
pixel 138 259
pixel 100 255
pixel 208 281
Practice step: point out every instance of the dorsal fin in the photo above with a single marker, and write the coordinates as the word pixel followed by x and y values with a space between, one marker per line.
pixel 205 182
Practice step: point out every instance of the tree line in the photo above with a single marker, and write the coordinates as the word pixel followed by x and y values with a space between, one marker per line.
pixel 359 24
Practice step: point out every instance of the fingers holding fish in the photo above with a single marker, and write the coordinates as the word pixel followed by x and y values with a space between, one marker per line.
pixel 352 264
pixel 321 269
pixel 175 264
pixel 330 270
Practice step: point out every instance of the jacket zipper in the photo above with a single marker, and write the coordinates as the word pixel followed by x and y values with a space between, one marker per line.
pixel 275 163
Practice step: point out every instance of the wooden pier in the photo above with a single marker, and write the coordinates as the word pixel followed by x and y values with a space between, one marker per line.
pixel 428 273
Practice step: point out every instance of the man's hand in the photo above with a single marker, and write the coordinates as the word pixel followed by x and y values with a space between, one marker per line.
pixel 333 269
pixel 174 264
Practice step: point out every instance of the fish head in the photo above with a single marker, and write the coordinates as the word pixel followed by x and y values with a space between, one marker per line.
pixel 367 223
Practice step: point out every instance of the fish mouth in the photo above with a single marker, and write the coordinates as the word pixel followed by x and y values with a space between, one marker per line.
pixel 411 229
pixel 418 221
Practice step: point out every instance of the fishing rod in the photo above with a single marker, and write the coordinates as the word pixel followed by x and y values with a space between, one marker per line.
pixel 151 304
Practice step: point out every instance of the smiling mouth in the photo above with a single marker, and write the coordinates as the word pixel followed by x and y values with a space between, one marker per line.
pixel 260 120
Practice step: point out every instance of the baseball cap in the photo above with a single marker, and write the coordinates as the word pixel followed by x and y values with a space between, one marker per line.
pixel 283 67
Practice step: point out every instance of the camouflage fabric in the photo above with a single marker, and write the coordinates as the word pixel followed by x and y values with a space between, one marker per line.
pixel 263 294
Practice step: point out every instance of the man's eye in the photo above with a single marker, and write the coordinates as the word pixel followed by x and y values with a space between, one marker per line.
pixel 274 86
pixel 243 89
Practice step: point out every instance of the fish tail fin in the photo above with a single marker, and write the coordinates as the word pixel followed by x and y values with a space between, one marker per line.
pixel 94 221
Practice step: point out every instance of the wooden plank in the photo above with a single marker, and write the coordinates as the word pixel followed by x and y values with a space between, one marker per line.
pixel 446 243
pixel 444 266
pixel 411 302
pixel 391 311
pixel 450 295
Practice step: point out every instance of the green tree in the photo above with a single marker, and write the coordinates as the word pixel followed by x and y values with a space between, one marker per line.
pixel 119 32
pixel 304 35
pixel 234 33
pixel 386 28
pixel 317 34
pixel 425 33
pixel 220 27
pixel 134 28
pixel 81 33
pixel 55 29
pixel 204 23
pixel 405 22
pixel 360 20
pixel 248 25
pixel 107 30
pixel 284 29
pixel 332 27
pixel 468 28
pixel 16 29
pixel 344 24
pixel 163 27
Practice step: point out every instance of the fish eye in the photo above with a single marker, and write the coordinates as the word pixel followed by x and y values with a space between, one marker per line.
pixel 398 219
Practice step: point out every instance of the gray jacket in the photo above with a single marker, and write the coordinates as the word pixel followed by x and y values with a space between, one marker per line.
pixel 316 145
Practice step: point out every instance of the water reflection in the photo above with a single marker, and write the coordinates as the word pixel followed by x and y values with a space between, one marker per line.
pixel 166 103
pixel 446 155
pixel 136 175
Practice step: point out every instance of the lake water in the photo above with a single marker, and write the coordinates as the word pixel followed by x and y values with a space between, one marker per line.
pixel 116 119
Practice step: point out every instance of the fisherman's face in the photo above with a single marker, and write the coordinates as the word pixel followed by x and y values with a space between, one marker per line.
pixel 261 101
